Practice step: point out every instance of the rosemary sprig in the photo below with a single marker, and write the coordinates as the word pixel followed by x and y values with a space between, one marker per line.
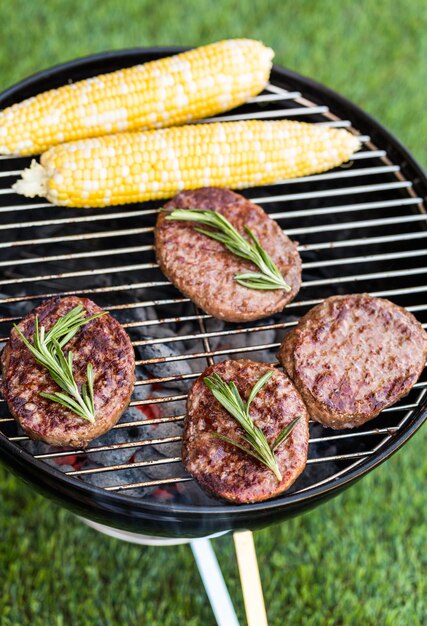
pixel 229 397
pixel 269 276
pixel 47 350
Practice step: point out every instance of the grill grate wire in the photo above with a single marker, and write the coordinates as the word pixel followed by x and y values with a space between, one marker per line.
pixel 378 187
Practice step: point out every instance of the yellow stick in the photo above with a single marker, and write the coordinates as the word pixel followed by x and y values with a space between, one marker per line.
pixel 250 579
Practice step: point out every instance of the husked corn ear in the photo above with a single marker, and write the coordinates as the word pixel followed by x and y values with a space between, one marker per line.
pixel 134 167
pixel 173 90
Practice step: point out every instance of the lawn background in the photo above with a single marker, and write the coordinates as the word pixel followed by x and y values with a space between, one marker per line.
pixel 361 558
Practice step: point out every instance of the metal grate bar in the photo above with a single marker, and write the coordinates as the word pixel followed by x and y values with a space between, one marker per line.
pixel 116 446
pixel 383 293
pixel 290 214
pixel 167 320
pixel 147 303
pixel 201 355
pixel 90 272
pixel 328 227
pixel 352 173
pixel 262 115
pixel 327 193
pixel 375 431
pixel 103 234
pixel 178 418
pixel 369 154
pixel 334 476
pixel 148 401
pixel 290 95
pixel 152 265
pixel 400 407
pixel 152 483
pixel 338 174
pixel 75 220
pixel 381 444
pixel 363 241
pixel 243 349
pixel 134 465
pixel 144 442
pixel 26 207
pixel 276 89
pixel 346 208
pixel 148 483
pixel 125 287
pixel 406 254
pixel 386 221
pixel 160 302
pixel 180 377
pixel 119 426
pixel 420 385
pixel 131 305
pixel 161 400
pixel 340 124
pixel 341 457
pixel 217 333
pixel 75 255
pixel 86 291
pixel 4 157
pixel 414 271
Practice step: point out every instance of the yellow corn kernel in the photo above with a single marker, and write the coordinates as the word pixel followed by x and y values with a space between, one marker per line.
pixel 173 90
pixel 231 154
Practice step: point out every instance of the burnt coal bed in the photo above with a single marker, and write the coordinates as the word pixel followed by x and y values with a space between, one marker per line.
pixel 361 228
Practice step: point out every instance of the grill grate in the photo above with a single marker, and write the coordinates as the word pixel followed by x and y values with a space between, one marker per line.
pixel 361 227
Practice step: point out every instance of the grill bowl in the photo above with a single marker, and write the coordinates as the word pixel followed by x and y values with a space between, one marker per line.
pixel 361 227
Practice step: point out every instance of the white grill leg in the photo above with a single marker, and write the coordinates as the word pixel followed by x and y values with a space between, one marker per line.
pixel 213 581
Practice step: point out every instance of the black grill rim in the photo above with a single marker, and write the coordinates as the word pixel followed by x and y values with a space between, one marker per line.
pixel 131 513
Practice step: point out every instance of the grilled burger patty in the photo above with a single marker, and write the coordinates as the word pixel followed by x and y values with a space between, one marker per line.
pixel 220 467
pixel 352 356
pixel 102 342
pixel 204 270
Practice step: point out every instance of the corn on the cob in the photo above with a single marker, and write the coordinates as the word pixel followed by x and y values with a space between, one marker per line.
pixel 170 91
pixel 148 165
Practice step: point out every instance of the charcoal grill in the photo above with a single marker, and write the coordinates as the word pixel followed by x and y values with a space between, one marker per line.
pixel 360 227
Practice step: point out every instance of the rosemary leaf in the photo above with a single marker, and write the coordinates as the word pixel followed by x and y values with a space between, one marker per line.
pixel 257 387
pixel 229 397
pixel 238 445
pixel 268 278
pixel 285 433
pixel 89 374
pixel 62 398
pixel 53 397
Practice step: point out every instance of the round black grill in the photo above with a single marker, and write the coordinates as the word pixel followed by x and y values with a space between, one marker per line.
pixel 361 227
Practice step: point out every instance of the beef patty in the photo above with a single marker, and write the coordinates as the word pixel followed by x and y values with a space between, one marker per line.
pixel 352 356
pixel 222 468
pixel 102 342
pixel 204 270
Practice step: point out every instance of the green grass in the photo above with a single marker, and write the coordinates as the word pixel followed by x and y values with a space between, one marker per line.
pixel 361 558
